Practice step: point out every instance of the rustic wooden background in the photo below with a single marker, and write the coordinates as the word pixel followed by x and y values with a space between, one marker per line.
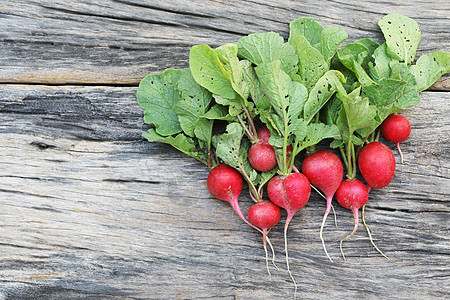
pixel 90 210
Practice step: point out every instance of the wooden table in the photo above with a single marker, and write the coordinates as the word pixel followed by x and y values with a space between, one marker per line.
pixel 90 210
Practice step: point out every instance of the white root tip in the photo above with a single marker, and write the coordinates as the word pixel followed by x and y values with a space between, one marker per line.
pixel 321 236
pixel 370 235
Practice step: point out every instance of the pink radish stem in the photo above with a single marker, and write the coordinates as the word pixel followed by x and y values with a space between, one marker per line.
pixel 400 152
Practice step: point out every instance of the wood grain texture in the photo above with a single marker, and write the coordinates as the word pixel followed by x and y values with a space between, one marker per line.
pixel 90 210
pixel 121 41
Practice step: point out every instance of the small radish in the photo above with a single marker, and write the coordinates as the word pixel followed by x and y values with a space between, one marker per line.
pixel 377 165
pixel 225 183
pixel 324 170
pixel 290 192
pixel 262 156
pixel 264 215
pixel 352 194
pixel 264 134
pixel 396 128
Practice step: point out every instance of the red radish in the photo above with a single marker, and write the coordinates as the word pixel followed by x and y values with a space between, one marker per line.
pixel 225 183
pixel 396 128
pixel 377 165
pixel 324 170
pixel 264 134
pixel 262 156
pixel 352 194
pixel 264 215
pixel 290 192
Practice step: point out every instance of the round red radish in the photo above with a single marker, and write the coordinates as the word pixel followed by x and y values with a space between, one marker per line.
pixel 377 165
pixel 264 134
pixel 396 128
pixel 262 156
pixel 290 192
pixel 225 183
pixel 264 214
pixel 352 194
pixel 324 170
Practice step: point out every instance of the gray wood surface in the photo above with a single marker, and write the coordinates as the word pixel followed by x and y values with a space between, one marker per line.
pixel 90 210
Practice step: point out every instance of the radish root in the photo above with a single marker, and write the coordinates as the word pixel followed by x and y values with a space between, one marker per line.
pixel 273 253
pixel 321 236
pixel 334 213
pixel 288 220
pixel 355 213
pixel 370 235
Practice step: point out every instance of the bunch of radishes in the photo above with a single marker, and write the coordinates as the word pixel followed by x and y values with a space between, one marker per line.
pixel 323 169
pixel 251 111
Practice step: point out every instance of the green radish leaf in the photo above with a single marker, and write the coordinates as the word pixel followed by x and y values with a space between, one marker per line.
pixel 336 143
pixel 266 176
pixel 330 111
pixel 356 57
pixel 380 68
pixel 395 93
pixel 195 101
pixel 218 112
pixel 286 97
pixel 235 106
pixel 209 72
pixel 308 28
pixel 275 84
pixel 232 148
pixel 158 97
pixel 260 48
pixel 203 130
pixel 257 94
pixel 356 113
pixel 429 68
pixel 327 85
pixel 317 132
pixel 228 57
pixel 311 64
pixel 402 36
pixel 330 40
pixel 181 142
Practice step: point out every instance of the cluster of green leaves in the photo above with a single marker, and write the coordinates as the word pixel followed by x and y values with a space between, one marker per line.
pixel 381 80
pixel 304 90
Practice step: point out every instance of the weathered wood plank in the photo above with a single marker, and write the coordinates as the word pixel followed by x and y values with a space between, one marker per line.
pixel 91 210
pixel 121 41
